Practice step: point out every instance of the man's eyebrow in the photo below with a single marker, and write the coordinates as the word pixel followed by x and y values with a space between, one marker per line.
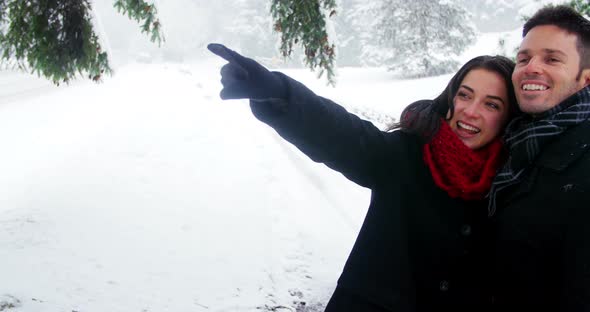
pixel 546 50
pixel 553 51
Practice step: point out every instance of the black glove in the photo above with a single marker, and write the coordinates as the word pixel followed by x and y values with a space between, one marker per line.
pixel 244 78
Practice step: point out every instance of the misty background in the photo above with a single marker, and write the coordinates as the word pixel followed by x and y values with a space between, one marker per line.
pixel 246 26
pixel 146 192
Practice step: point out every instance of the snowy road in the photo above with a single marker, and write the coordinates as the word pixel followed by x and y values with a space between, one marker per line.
pixel 147 193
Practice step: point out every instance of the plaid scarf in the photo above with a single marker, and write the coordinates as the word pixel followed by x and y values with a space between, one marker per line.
pixel 526 135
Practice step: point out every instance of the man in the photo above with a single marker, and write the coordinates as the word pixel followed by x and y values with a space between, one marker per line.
pixel 540 200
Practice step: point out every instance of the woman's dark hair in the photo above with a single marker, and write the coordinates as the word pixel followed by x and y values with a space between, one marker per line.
pixel 423 117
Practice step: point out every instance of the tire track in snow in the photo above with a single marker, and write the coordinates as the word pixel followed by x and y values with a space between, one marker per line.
pixel 16 86
pixel 299 283
pixel 332 198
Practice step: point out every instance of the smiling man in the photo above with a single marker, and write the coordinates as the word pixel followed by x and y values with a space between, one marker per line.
pixel 540 199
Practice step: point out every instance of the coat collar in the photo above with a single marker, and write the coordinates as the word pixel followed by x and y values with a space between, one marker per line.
pixel 567 148
pixel 558 155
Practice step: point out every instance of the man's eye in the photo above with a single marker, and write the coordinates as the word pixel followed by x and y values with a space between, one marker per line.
pixel 522 61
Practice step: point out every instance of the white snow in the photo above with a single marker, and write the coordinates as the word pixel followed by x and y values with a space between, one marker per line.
pixel 149 193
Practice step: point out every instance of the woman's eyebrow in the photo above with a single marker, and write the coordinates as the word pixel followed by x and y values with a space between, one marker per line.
pixel 495 98
pixel 468 88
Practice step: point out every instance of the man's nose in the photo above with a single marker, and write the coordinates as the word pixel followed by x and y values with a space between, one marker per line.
pixel 533 66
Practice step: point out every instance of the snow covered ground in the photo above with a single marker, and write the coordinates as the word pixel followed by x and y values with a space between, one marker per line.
pixel 149 193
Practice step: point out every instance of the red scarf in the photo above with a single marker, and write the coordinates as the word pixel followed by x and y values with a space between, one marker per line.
pixel 459 170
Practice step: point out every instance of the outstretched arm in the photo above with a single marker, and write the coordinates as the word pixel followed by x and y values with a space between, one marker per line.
pixel 320 128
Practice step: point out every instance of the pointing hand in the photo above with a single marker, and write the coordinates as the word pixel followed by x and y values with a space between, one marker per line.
pixel 244 78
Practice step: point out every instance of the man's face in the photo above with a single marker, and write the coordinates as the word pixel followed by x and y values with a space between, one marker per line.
pixel 547 65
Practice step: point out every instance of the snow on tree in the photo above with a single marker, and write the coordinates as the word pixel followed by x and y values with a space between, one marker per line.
pixel 416 38
pixel 251 31
pixel 495 15
pixel 347 36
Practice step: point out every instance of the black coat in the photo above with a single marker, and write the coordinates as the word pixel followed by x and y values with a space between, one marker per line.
pixel 418 249
pixel 543 231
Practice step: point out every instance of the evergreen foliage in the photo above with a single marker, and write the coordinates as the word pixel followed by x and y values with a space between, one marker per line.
pixel 582 6
pixel 56 39
pixel 2 11
pixel 252 23
pixel 347 37
pixel 304 22
pixel 144 14
pixel 416 38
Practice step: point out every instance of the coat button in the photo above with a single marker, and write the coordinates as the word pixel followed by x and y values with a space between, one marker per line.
pixel 444 285
pixel 466 230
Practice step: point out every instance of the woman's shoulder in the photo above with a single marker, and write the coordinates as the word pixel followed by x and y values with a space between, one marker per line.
pixel 404 137
pixel 403 146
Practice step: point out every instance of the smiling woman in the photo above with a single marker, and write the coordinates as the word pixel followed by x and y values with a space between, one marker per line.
pixel 422 244
pixel 481 108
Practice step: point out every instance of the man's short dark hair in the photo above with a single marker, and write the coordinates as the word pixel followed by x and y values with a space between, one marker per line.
pixel 569 20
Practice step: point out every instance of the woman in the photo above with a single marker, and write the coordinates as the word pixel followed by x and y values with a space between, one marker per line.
pixel 423 244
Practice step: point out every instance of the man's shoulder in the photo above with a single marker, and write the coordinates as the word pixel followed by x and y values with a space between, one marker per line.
pixel 567 148
pixel 558 178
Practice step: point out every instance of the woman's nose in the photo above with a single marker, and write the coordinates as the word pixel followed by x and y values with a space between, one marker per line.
pixel 472 109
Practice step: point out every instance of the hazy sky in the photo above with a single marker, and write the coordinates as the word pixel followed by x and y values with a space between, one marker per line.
pixel 189 25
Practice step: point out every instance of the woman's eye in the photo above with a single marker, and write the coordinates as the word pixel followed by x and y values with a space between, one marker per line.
pixel 493 106
pixel 462 95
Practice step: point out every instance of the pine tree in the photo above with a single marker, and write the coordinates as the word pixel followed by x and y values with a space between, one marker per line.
pixel 304 23
pixel 253 23
pixel 56 39
pixel 582 6
pixel 347 37
pixel 144 14
pixel 414 38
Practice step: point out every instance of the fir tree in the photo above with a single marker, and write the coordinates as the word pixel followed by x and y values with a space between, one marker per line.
pixel 304 23
pixel 56 39
pixel 253 23
pixel 143 13
pixel 347 37
pixel 414 38
pixel 582 6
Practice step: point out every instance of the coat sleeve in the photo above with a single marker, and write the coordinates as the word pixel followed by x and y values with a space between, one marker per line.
pixel 328 134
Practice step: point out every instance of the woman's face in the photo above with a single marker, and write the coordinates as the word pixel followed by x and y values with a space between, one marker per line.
pixel 481 108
